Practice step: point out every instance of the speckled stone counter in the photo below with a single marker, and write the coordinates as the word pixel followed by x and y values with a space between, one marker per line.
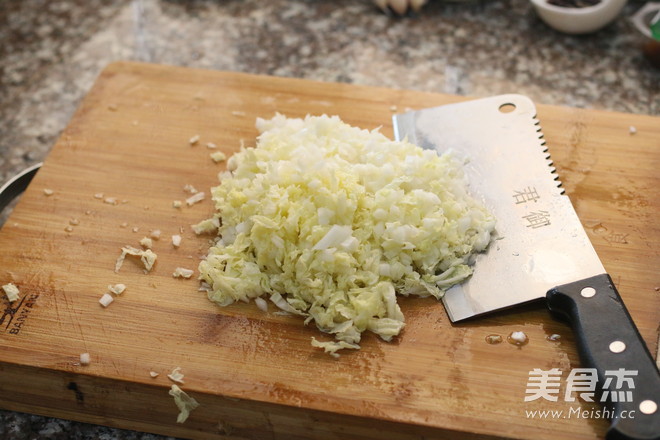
pixel 51 53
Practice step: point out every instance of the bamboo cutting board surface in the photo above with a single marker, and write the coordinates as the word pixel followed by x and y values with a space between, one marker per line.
pixel 255 374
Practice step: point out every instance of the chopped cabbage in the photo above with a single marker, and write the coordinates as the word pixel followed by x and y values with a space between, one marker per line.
pixel 11 291
pixel 184 402
pixel 182 272
pixel 331 222
pixel 106 300
pixel 147 257
pixel 176 375
pixel 85 359
pixel 206 226
pixel 218 156
pixel 331 347
pixel 195 198
pixel 117 289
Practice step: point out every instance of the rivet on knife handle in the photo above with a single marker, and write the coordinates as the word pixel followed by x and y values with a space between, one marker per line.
pixel 609 342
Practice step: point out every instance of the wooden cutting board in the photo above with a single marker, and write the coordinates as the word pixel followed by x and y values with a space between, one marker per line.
pixel 255 374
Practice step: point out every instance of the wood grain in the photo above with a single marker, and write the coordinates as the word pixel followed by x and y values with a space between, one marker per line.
pixel 255 374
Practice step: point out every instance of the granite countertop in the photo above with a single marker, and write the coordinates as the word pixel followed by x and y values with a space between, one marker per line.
pixel 51 53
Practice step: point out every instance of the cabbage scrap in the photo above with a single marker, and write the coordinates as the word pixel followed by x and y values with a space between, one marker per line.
pixel 183 402
pixel 331 222
pixel 11 291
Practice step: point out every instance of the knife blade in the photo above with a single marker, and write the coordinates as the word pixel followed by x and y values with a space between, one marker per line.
pixel 541 249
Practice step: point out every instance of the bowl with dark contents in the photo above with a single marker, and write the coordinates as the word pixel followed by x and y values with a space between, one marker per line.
pixel 578 16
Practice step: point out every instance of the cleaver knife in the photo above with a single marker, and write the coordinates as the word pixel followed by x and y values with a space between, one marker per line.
pixel 541 250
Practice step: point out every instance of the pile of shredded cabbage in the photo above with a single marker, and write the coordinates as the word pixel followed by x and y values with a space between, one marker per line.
pixel 331 222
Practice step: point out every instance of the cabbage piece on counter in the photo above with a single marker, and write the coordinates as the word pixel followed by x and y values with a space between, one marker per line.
pixel 332 222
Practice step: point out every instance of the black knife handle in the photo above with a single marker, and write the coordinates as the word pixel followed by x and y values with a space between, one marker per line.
pixel 609 341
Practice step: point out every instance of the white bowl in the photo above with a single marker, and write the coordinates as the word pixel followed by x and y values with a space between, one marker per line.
pixel 579 20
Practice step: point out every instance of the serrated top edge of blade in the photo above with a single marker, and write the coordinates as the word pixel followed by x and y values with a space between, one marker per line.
pixel 548 156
